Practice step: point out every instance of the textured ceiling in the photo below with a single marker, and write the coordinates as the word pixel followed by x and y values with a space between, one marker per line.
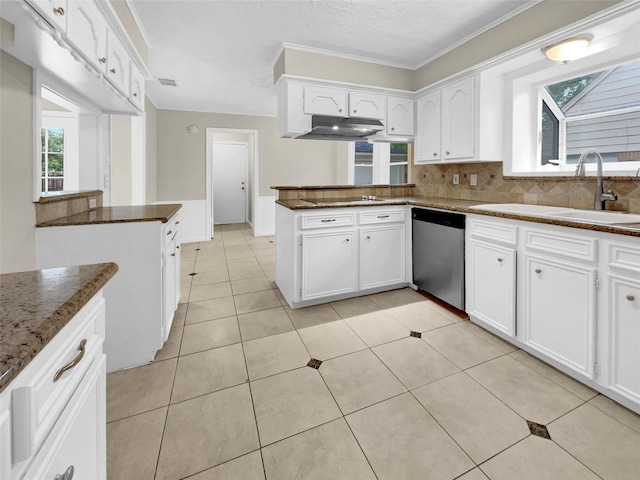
pixel 221 52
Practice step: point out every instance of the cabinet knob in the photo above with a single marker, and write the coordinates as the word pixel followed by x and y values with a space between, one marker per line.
pixel 347 239
pixel 355 111
pixel 67 475
pixel 500 260
pixel 135 94
pixel 169 232
pixel 339 110
pixel 103 60
pixel 435 154
pixel 538 270
pixel 631 298
pixel 393 128
pixel 178 222
pixel 59 11
pixel 178 246
pixel 173 254
pixel 368 237
pixel 447 153
pixel 113 70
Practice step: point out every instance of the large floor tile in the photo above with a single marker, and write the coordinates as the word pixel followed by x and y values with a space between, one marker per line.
pixel 264 323
pixel 475 474
pixel 446 312
pixel 531 395
pixel 243 262
pixel 275 354
pixel 401 440
pixel 396 298
pixel 192 444
pixel 171 347
pixel 207 335
pixel 331 340
pixel 252 302
pixel 216 276
pixel 603 444
pixel 238 273
pixel 248 285
pixel 311 316
pixel 209 291
pixel 377 327
pixel 210 310
pixel 133 445
pixel 180 315
pixel 353 307
pixel 617 411
pixel 578 389
pixel 290 403
pixel 460 346
pixel 326 452
pixel 480 423
pixel 139 389
pixel 536 458
pixel 418 317
pixel 488 337
pixel 414 362
pixel 247 467
pixel 209 371
pixel 358 380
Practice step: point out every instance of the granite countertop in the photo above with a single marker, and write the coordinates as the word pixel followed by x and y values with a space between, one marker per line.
pixel 36 305
pixel 134 213
pixel 458 205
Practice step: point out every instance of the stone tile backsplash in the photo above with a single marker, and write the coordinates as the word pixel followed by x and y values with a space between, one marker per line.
pixel 574 192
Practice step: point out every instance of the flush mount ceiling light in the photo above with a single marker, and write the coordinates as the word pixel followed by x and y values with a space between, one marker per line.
pixel 568 49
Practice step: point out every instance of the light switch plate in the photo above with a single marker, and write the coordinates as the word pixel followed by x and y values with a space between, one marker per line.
pixel 93 203
pixel 456 178
pixel 473 179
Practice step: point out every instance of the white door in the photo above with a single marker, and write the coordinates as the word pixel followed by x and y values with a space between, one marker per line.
pixel 229 172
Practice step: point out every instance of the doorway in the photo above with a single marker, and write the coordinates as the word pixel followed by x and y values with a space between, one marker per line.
pixel 229 182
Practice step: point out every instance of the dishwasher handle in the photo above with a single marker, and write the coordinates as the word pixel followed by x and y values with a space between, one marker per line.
pixel 447 219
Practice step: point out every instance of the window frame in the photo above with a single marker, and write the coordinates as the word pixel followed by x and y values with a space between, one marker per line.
pixel 381 163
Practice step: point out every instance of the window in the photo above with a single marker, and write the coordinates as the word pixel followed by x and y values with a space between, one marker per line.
pixel 52 159
pixel 600 110
pixel 379 163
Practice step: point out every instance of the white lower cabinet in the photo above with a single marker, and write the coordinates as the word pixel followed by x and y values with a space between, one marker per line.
pixel 559 311
pixel 382 256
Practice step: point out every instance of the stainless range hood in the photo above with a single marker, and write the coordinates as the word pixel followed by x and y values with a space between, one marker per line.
pixel 340 128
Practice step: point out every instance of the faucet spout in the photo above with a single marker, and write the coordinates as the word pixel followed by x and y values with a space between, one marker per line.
pixel 600 196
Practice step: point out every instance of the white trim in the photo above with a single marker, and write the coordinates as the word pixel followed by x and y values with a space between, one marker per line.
pixel 215 112
pixel 286 77
pixel 139 24
pixel 348 56
pixel 351 164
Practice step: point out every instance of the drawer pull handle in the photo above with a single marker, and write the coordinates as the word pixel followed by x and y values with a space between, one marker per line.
pixel 178 246
pixel 178 222
pixel 69 366
pixel 538 270
pixel 59 10
pixel 500 260
pixel 169 232
pixel 113 70
pixel 383 216
pixel 347 239
pixel 103 60
pixel 326 220
pixel 68 475
pixel 631 298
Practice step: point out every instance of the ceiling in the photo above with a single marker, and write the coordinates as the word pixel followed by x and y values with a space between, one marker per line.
pixel 221 52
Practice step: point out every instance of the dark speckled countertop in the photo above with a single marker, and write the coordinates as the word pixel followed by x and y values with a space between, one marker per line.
pixel 458 205
pixel 36 305
pixel 134 213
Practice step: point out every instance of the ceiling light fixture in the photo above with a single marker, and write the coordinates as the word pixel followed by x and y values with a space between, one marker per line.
pixel 568 49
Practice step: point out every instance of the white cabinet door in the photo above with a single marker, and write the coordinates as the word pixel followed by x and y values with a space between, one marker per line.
pixel 168 287
pixel 624 357
pixel 136 90
pixel 329 264
pixel 559 311
pixel 381 256
pixel 87 32
pixel 429 128
pixel 491 285
pixel 78 441
pixel 367 105
pixel 458 122
pixel 54 11
pixel 118 64
pixel 325 101
pixel 399 116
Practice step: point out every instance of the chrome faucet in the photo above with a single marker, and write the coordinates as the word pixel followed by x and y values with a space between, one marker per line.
pixel 600 196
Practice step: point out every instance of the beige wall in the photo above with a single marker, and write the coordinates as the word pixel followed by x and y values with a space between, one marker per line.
pixel 121 160
pixel 17 211
pixel 181 156
pixel 539 20
pixel 152 151
pixel 122 10
pixel 327 67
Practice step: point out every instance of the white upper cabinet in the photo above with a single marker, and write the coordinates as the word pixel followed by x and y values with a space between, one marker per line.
pixel 458 120
pixel 399 116
pixel 325 101
pixel 367 105
pixel 428 141
pixel 54 11
pixel 87 33
pixel 136 92
pixel 118 69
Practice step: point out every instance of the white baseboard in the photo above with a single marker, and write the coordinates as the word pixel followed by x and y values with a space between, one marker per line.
pixel 193 221
pixel 264 219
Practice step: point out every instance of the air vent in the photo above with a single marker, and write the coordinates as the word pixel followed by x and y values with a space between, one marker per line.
pixel 168 82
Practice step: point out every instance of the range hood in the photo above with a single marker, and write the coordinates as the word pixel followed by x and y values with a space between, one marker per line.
pixel 340 128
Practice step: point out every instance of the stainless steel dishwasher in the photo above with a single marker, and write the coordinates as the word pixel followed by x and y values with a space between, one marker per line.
pixel 438 254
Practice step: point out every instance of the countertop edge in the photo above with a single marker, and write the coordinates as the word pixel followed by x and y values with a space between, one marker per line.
pixel 52 325
pixel 71 221
pixel 445 204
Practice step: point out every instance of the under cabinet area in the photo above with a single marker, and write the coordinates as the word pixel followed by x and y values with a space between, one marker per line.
pixel 330 254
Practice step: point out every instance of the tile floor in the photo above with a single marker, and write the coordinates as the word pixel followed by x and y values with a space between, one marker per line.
pixel 387 386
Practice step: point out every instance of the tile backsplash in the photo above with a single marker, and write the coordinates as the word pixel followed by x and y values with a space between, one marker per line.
pixel 52 207
pixel 574 192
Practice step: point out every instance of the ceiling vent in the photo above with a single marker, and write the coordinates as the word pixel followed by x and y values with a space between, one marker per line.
pixel 168 82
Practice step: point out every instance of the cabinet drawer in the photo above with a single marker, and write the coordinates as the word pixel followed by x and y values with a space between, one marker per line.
pixel 624 257
pixel 557 244
pixel 382 216
pixel 507 234
pixel 169 230
pixel 327 220
pixel 38 401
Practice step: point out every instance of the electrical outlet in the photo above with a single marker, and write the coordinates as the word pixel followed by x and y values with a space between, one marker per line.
pixel 456 178
pixel 473 179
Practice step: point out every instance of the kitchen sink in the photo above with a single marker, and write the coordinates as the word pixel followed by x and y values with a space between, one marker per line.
pixel 597 216
pixel 522 208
